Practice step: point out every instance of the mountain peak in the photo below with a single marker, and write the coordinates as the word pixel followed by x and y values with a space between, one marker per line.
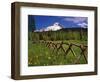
pixel 56 26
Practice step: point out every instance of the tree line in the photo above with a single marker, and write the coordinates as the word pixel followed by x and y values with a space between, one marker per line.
pixel 57 35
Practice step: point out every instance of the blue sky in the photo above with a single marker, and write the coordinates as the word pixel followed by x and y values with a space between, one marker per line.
pixel 66 21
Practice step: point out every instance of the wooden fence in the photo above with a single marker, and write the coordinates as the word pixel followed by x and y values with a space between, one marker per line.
pixel 57 46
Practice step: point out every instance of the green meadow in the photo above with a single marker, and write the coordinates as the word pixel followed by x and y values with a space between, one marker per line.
pixel 39 54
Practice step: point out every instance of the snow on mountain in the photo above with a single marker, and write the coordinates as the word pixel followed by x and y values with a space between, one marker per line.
pixel 56 26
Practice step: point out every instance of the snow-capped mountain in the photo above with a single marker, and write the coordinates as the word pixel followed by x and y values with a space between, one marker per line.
pixel 56 26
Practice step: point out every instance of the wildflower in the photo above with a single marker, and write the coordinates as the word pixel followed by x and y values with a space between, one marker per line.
pixel 49 57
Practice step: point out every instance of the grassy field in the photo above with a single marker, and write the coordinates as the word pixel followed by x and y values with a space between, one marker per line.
pixel 41 55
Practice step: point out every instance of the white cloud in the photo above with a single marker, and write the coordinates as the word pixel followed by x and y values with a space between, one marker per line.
pixel 80 21
pixel 84 25
pixel 75 19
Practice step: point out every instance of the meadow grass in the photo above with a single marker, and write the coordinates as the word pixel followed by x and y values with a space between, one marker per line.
pixel 41 55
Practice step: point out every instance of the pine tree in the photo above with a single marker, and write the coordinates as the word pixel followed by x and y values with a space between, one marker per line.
pixel 31 23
